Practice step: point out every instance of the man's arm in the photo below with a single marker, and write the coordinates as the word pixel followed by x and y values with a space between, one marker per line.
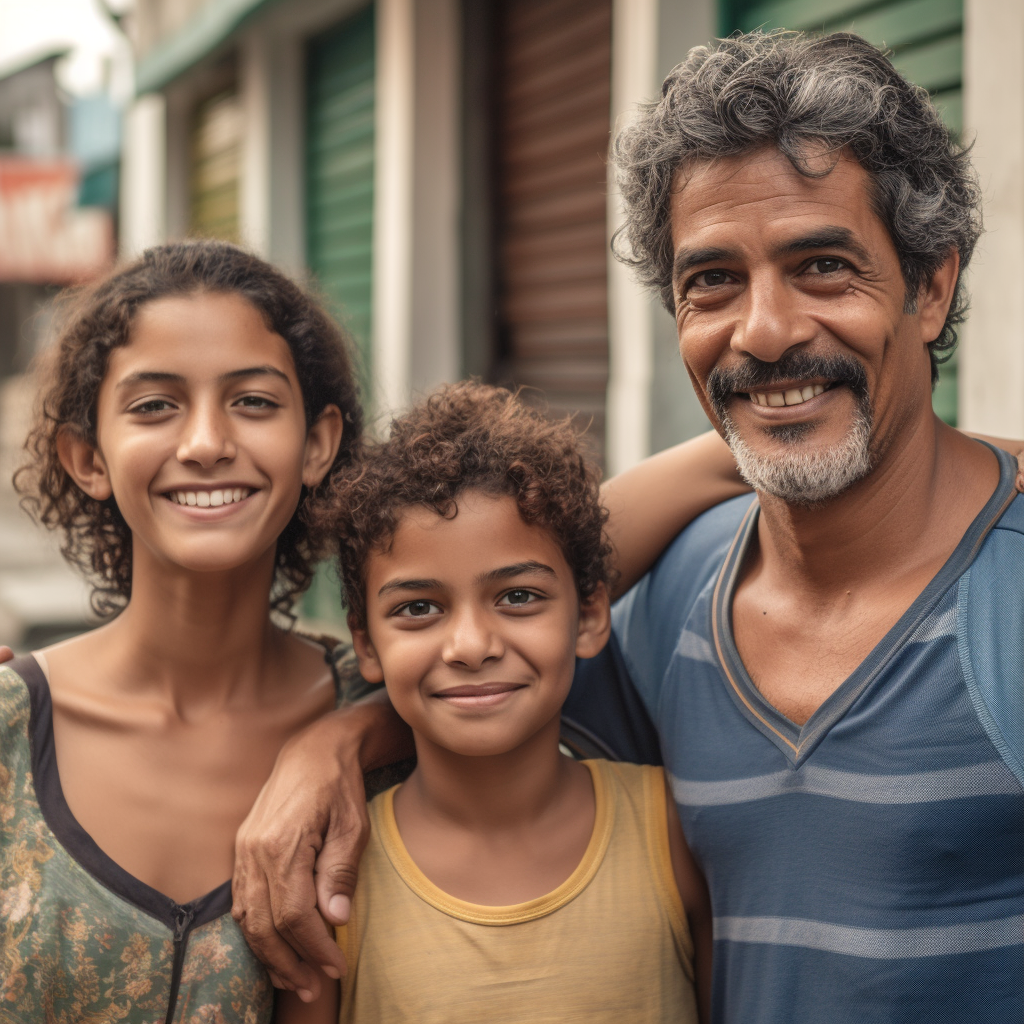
pixel 299 848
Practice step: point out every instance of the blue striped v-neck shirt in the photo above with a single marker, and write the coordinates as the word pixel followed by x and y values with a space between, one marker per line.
pixel 869 866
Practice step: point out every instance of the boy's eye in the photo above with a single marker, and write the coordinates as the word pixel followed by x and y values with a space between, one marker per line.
pixel 418 609
pixel 517 598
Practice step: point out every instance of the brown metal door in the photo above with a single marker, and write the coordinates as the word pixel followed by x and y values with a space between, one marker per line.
pixel 553 99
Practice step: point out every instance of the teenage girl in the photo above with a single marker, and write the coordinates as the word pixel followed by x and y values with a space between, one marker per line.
pixel 197 399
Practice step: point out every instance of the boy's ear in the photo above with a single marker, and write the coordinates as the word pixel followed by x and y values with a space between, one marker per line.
pixel 322 442
pixel 595 624
pixel 369 664
pixel 84 464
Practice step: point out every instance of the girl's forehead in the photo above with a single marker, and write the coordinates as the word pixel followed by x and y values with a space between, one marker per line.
pixel 201 335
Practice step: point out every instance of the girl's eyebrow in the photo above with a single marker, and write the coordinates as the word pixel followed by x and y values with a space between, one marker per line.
pixel 392 585
pixel 163 377
pixel 518 569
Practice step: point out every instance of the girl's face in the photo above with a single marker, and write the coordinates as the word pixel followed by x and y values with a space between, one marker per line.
pixel 201 434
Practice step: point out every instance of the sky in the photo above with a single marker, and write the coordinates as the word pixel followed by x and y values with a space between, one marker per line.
pixel 35 27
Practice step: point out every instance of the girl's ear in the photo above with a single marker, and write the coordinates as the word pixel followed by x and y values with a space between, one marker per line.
pixel 369 664
pixel 84 464
pixel 321 445
pixel 595 623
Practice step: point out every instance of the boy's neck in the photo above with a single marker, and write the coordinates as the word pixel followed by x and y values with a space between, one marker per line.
pixel 500 829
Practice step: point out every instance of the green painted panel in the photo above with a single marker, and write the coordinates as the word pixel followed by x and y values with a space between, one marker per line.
pixel 926 40
pixel 340 96
pixel 216 162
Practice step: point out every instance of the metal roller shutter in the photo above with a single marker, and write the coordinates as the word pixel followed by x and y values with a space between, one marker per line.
pixel 926 40
pixel 216 161
pixel 552 99
pixel 339 170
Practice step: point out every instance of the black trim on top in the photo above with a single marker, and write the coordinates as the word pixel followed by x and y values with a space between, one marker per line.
pixel 797 742
pixel 78 843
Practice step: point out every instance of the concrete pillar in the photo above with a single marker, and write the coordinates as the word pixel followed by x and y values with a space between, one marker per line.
pixel 254 92
pixel 992 356
pixel 143 184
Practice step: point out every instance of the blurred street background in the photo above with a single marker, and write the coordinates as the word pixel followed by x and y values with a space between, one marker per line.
pixel 437 168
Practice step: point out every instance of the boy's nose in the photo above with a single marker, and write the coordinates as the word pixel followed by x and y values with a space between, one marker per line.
pixel 206 438
pixel 471 641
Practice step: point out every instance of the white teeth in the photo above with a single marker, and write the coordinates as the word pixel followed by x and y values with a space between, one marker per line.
pixel 236 494
pixel 210 499
pixel 203 499
pixel 791 396
pixel 217 498
pixel 190 497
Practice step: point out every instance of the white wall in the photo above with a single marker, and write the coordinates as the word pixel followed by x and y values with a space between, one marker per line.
pixel 650 400
pixel 143 179
pixel 992 354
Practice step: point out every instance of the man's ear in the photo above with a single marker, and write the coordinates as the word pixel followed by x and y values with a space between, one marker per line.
pixel 370 667
pixel 935 297
pixel 84 464
pixel 321 445
pixel 595 624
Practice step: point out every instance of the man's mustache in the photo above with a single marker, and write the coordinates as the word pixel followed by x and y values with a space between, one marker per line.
pixel 753 374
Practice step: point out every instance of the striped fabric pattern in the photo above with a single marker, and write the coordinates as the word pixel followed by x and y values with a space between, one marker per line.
pixel 869 866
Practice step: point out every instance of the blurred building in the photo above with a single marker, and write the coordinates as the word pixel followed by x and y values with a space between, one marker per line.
pixel 59 160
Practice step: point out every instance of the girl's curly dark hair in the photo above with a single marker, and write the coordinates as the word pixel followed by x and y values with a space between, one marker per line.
pixel 467 436
pixel 99 318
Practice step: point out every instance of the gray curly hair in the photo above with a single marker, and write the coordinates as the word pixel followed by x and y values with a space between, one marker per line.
pixel 792 91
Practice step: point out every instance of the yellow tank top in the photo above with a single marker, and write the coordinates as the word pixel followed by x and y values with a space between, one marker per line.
pixel 610 944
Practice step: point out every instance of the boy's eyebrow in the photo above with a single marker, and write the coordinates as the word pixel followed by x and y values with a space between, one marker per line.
pixel 163 377
pixel 393 585
pixel 518 569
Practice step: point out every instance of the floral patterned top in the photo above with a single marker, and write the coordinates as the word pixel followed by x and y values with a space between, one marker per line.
pixel 80 938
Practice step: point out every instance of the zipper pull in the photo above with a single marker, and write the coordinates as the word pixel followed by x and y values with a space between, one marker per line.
pixel 182 920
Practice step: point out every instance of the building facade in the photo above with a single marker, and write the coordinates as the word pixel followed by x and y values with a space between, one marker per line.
pixel 438 169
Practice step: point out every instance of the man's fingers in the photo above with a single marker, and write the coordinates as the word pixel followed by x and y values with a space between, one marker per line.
pixel 336 878
pixel 300 925
pixel 5 653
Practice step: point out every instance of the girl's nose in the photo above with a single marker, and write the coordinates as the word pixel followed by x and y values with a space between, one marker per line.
pixel 471 640
pixel 206 438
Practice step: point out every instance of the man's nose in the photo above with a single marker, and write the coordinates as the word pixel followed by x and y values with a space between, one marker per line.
pixel 772 321
pixel 206 437
pixel 471 639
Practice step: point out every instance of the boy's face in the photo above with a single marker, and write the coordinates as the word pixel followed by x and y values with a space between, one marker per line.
pixel 475 624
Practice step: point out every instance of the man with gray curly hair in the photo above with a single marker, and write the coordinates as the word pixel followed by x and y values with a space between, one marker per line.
pixel 830 671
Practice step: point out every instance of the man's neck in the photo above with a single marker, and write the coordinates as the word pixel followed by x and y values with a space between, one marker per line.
pixel 908 513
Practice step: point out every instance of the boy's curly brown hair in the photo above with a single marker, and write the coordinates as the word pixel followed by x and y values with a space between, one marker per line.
pixel 467 436
pixel 99 318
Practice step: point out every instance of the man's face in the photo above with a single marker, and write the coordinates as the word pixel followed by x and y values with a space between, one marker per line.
pixel 790 313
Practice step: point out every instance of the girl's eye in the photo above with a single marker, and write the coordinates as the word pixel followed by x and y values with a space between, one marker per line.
pixel 418 609
pixel 152 405
pixel 517 598
pixel 256 402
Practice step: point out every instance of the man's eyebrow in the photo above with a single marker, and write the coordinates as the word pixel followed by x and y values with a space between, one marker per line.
pixel 517 569
pixel 825 238
pixel 392 585
pixel 687 258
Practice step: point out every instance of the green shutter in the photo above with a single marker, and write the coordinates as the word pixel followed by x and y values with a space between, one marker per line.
pixel 339 170
pixel 340 86
pixel 926 40
pixel 216 159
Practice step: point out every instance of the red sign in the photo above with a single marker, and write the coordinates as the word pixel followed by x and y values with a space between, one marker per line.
pixel 44 237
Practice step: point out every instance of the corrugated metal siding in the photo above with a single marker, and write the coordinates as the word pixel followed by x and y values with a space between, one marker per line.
pixel 216 162
pixel 552 120
pixel 926 40
pixel 339 169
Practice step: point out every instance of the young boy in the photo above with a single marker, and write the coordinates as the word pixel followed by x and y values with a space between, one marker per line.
pixel 503 880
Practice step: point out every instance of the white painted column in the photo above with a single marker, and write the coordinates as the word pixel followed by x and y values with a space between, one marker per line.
pixel 992 355
pixel 254 93
pixel 143 202
pixel 634 78
pixel 393 204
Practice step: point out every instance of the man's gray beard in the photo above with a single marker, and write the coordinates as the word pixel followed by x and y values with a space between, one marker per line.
pixel 805 478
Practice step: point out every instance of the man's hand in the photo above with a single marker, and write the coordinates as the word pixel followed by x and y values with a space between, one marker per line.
pixel 298 850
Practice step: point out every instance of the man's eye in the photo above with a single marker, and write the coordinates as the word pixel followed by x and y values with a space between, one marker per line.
pixel 827 266
pixel 517 598
pixel 417 609
pixel 710 278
